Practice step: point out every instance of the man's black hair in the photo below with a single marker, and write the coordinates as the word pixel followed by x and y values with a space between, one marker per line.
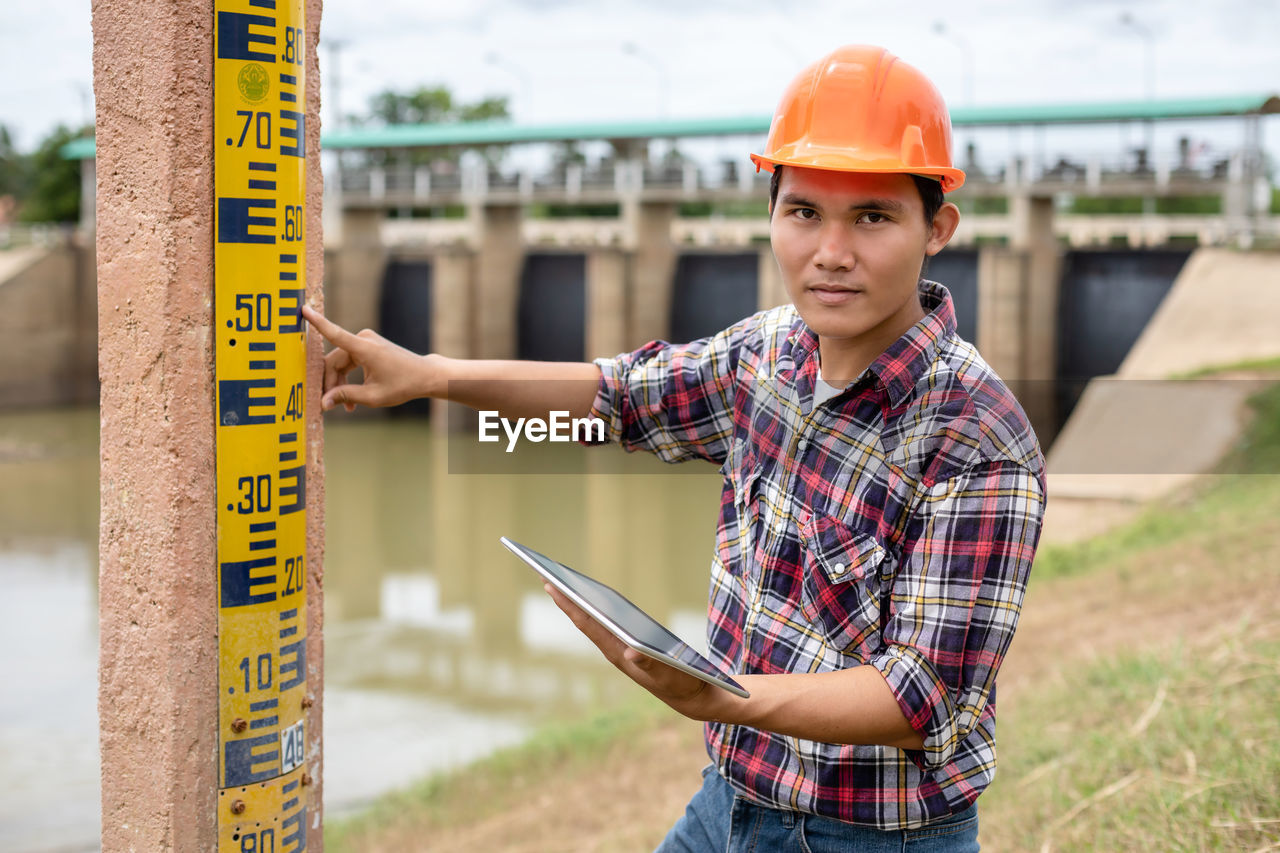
pixel 930 193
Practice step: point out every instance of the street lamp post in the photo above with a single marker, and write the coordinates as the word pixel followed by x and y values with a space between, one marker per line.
pixel 966 59
pixel 1148 86
pixel 1148 51
pixel 515 71
pixel 966 76
pixel 664 82
pixel 335 47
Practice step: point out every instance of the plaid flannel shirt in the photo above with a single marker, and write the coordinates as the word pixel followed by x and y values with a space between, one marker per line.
pixel 892 526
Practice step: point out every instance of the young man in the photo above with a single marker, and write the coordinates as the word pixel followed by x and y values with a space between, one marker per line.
pixel 882 500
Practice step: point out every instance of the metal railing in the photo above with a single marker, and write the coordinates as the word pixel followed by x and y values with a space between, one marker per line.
pixel 1094 174
pixel 42 234
pixel 397 184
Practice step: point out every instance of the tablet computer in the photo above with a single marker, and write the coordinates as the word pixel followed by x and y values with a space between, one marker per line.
pixel 624 620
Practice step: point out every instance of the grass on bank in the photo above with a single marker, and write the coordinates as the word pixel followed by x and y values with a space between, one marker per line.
pixel 1268 366
pixel 489 786
pixel 1174 749
pixel 1177 749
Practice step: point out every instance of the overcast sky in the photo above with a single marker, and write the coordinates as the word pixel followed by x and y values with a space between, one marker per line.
pixel 567 60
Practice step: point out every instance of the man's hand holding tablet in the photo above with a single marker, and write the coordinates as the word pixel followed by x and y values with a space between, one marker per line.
pixel 632 640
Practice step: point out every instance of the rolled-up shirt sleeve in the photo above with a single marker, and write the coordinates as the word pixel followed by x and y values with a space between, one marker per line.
pixel 956 599
pixel 673 400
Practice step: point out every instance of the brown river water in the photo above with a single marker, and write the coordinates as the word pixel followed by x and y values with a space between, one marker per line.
pixel 440 646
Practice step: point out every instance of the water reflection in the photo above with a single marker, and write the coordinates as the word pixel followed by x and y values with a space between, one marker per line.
pixel 48 631
pixel 439 644
pixel 413 557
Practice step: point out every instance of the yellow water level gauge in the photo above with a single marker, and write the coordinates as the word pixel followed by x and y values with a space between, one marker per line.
pixel 260 363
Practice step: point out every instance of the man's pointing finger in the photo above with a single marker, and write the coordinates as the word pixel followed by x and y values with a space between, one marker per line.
pixel 332 332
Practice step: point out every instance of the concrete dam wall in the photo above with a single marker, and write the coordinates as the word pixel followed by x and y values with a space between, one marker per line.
pixel 568 305
pixel 48 326
pixel 1105 299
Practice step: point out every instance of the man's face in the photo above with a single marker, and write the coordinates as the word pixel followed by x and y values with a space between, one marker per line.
pixel 850 246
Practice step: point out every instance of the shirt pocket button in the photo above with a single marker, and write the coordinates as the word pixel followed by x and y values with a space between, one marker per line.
pixel 840 586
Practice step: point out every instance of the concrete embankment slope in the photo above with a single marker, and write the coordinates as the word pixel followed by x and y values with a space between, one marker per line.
pixel 48 326
pixel 14 261
pixel 1224 308
pixel 1143 432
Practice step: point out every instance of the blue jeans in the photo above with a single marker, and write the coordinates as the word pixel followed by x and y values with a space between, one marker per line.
pixel 719 821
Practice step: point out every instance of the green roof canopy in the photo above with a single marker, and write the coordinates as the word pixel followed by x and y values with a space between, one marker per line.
pixel 79 149
pixel 1114 111
pixel 504 133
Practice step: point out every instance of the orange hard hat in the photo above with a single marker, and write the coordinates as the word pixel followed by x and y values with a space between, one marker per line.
pixel 862 109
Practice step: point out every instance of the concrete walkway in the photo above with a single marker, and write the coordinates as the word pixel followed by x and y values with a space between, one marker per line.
pixel 14 261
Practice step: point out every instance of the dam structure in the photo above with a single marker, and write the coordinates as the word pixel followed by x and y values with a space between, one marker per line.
pixel 578 240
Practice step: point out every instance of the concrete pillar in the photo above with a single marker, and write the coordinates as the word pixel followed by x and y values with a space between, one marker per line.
pixel 353 292
pixel 158 619
pixel 85 299
pixel 88 192
pixel 452 316
pixel 647 226
pixel 1236 200
pixel 606 303
pixel 770 291
pixel 1001 277
pixel 1018 309
pixel 1044 274
pixel 1030 220
pixel 499 262
pixel 158 597
pixel 452 321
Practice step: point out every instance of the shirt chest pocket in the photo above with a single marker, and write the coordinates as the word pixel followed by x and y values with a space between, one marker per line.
pixel 841 589
pixel 736 538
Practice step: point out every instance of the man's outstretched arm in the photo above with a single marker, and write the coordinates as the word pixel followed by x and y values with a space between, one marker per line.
pixel 393 375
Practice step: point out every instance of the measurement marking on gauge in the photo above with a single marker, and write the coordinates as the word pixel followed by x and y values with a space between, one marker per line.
pixel 260 359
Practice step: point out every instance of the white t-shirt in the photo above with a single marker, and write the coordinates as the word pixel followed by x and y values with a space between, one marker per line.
pixel 823 391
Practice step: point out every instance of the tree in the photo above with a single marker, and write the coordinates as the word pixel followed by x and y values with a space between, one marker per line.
pixel 53 191
pixel 429 105
pixel 13 167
